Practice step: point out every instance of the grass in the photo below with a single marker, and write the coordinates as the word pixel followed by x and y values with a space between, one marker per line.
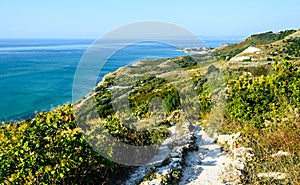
pixel 265 109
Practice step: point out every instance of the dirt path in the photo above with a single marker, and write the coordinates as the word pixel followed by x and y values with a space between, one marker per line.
pixel 199 167
pixel 205 165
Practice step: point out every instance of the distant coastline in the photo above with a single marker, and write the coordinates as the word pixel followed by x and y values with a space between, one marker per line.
pixel 37 74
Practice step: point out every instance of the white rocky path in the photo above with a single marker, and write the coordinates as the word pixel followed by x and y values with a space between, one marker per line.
pixel 201 162
pixel 206 165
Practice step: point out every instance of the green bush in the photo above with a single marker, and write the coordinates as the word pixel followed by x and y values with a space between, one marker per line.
pixel 261 98
pixel 151 87
pixel 186 61
pixel 265 110
pixel 49 149
pixel 139 99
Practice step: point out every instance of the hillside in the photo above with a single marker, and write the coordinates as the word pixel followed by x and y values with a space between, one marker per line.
pixel 283 44
pixel 181 107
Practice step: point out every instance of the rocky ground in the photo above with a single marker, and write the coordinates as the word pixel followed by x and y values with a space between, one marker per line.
pixel 206 165
pixel 198 160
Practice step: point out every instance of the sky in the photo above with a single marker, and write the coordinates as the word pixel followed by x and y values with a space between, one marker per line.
pixel 94 18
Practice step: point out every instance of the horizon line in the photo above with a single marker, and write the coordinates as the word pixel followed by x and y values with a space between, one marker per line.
pixel 90 38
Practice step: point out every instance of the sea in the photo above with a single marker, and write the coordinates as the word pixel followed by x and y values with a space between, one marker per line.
pixel 37 74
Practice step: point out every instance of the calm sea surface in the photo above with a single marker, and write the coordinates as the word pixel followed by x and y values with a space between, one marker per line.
pixel 37 74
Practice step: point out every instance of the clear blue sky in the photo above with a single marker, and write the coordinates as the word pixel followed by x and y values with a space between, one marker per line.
pixel 93 18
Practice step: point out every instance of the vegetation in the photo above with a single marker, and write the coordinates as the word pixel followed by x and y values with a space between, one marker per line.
pixel 186 61
pixel 147 89
pixel 269 37
pixel 139 101
pixel 103 101
pixel 291 47
pixel 49 149
pixel 226 53
pixel 265 110
pixel 204 95
pixel 263 103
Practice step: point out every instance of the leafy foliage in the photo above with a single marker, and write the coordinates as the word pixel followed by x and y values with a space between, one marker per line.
pixel 103 101
pixel 260 98
pixel 139 100
pixel 186 61
pixel 292 47
pixel 130 135
pixel 203 94
pixel 49 149
pixel 147 89
pixel 265 110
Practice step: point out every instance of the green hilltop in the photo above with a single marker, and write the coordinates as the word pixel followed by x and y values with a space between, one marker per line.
pixel 271 43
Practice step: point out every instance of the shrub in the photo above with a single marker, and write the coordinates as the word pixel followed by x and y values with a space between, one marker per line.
pixel 265 110
pixel 49 149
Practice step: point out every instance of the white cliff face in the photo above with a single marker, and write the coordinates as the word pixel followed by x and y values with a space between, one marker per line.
pixel 245 54
pixel 240 58
pixel 251 50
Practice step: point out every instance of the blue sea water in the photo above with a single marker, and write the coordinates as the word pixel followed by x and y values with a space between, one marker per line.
pixel 37 74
